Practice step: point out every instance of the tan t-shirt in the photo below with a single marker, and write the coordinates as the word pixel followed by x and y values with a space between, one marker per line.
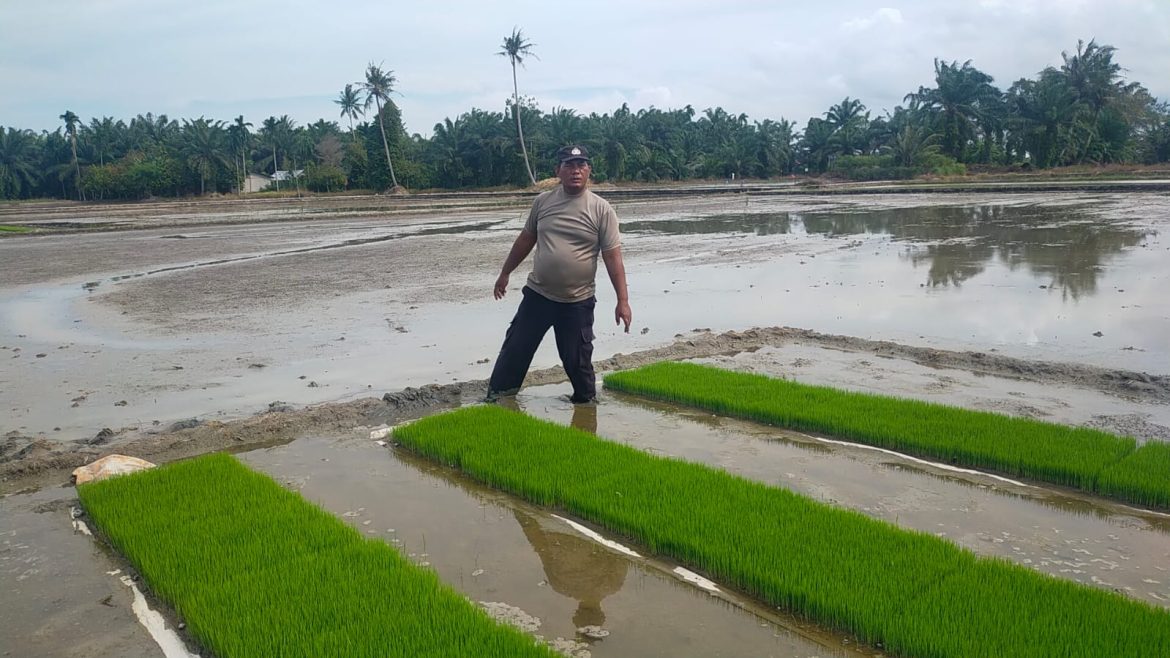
pixel 570 232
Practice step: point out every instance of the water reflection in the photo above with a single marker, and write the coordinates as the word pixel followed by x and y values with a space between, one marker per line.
pixel 1065 248
pixel 575 567
pixel 585 417
pixel 760 224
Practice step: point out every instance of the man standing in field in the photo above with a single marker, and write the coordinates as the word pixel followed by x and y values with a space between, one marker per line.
pixel 569 226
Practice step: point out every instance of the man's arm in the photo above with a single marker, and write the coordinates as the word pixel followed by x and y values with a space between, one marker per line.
pixel 617 276
pixel 520 250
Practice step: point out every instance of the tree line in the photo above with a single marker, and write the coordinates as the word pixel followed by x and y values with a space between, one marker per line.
pixel 1081 112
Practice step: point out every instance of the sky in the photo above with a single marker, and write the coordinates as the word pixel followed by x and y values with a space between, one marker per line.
pixel 767 59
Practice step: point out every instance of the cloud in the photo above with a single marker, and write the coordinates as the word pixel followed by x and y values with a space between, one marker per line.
pixel 769 60
pixel 883 16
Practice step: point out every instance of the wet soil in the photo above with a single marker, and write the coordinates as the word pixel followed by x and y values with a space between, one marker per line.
pixel 1123 402
pixel 142 329
pixel 237 328
pixel 61 590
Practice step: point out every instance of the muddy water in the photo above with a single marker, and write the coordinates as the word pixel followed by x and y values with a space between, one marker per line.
pixel 526 563
pixel 215 321
pixel 1034 279
pixel 868 373
pixel 1064 534
pixel 60 597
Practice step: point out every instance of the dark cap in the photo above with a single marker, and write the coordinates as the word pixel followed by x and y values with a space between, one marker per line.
pixel 572 152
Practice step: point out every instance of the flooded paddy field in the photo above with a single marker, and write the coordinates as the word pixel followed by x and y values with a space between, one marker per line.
pixel 238 333
pixel 126 329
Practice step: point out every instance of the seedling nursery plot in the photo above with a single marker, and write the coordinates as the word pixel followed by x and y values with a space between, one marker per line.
pixel 255 570
pixel 910 593
pixel 1082 458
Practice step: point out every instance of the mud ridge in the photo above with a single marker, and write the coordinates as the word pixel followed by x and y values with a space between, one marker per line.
pixel 33 462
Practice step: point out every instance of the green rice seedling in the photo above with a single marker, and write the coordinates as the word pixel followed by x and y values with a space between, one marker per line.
pixel 1143 477
pixel 904 590
pixel 1070 456
pixel 255 570
pixel 8 228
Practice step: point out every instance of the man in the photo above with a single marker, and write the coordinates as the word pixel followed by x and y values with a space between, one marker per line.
pixel 569 227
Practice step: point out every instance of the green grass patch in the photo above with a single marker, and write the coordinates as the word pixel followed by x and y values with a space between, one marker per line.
pixel 255 570
pixel 1142 477
pixel 910 592
pixel 8 228
pixel 1072 456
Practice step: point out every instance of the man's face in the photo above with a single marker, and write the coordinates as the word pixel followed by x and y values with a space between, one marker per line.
pixel 574 175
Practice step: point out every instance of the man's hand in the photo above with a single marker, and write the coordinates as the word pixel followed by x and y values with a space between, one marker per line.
pixel 501 288
pixel 623 314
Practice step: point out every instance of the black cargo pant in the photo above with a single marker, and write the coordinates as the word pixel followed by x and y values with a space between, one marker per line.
pixel 572 324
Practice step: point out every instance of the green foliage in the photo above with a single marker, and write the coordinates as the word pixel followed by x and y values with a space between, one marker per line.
pixel 1078 113
pixel 136 176
pixel 18 173
pixel 324 178
pixel 915 594
pixel 255 570
pixel 7 228
pixel 871 167
pixel 943 165
pixel 1070 456
pixel 1142 477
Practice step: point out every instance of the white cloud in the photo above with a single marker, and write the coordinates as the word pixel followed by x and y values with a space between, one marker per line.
pixel 766 59
pixel 883 16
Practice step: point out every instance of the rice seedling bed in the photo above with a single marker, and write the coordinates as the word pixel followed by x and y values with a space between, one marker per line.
pixel 533 565
pixel 1069 456
pixel 909 592
pixel 255 570
pixel 1142 476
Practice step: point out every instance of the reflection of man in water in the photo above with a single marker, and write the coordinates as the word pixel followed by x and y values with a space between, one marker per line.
pixel 585 418
pixel 576 567
pixel 584 415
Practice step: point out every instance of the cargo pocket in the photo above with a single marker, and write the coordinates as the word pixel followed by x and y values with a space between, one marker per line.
pixel 586 351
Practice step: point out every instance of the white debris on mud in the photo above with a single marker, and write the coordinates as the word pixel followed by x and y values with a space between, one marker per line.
pixel 696 580
pixel 169 641
pixel 510 614
pixel 570 648
pixel 598 538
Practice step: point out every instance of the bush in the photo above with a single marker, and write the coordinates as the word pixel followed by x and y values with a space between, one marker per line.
pixel 870 167
pixel 943 165
pixel 324 178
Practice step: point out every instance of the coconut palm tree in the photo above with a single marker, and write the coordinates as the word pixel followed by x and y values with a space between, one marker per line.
pixel 239 137
pixel 1092 74
pixel 564 126
pixel 963 95
pixel 849 120
pixel 350 101
pixel 71 122
pixel 378 86
pixel 204 145
pixel 102 138
pixel 816 145
pixel 18 173
pixel 516 48
pixel 910 144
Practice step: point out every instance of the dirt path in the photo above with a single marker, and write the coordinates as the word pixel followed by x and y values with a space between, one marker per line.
pixel 28 463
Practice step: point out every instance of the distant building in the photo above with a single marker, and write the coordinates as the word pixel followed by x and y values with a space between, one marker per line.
pixel 282 175
pixel 256 183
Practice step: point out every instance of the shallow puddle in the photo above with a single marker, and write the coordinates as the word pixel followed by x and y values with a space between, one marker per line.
pixel 1079 278
pixel 227 319
pixel 1065 534
pixel 530 566
pixel 61 592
